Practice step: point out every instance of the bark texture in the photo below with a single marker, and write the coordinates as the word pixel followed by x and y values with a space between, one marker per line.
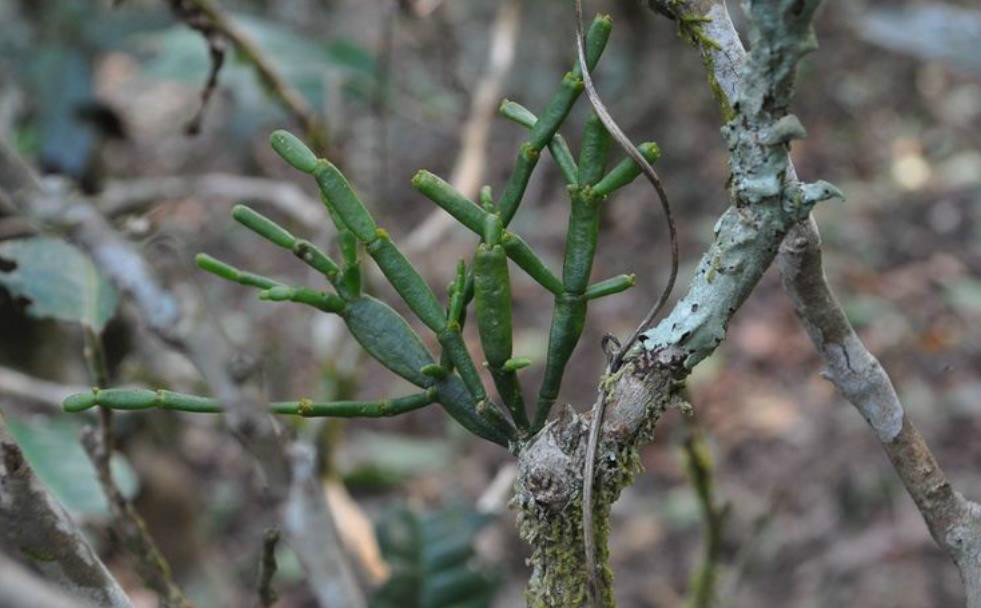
pixel 953 521
pixel 36 531
pixel 767 200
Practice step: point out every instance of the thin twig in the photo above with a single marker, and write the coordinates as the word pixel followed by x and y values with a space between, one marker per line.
pixel 272 80
pixel 698 462
pixel 151 565
pixel 617 133
pixel 599 406
pixel 953 521
pixel 267 569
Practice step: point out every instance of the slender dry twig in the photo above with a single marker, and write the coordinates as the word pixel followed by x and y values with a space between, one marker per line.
pixel 151 565
pixel 599 406
pixel 35 390
pixel 698 462
pixel 267 569
pixel 127 523
pixel 468 170
pixel 206 17
pixel 312 532
pixel 953 521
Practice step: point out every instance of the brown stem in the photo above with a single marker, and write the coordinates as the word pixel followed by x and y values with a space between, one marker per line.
pixel 953 521
pixel 267 569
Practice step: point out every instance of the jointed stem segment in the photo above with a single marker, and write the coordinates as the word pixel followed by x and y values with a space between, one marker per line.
pixel 142 399
pixel 454 380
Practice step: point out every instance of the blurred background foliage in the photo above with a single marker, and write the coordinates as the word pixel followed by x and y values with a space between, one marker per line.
pixel 100 95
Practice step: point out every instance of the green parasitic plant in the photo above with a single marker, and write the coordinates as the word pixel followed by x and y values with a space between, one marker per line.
pixel 453 379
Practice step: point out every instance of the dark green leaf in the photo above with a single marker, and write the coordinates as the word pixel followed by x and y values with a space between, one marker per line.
pixel 432 560
pixel 59 281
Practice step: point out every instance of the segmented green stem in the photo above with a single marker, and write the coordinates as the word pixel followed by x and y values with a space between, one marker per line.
pixel 595 151
pixel 626 170
pixel 473 217
pixel 312 255
pixel 384 334
pixel 230 273
pixel 342 201
pixel 492 294
pixel 326 302
pixel 558 147
pixel 580 249
pixel 611 286
pixel 142 399
pixel 553 115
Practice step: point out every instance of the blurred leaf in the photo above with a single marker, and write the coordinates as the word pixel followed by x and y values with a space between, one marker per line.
pixel 59 280
pixel 863 309
pixel 964 296
pixel 432 560
pixel 58 459
pixel 679 509
pixel 178 53
pixel 385 458
pixel 61 78
pixel 930 31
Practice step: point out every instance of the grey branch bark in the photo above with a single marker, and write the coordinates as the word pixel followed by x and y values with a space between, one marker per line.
pixel 311 531
pixel 953 521
pixel 36 530
pixel 767 201
pixel 203 344
pixel 20 588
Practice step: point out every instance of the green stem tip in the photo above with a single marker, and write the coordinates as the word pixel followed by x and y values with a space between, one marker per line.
pixel 293 151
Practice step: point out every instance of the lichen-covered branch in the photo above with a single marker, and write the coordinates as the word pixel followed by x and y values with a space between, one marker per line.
pixel 954 521
pixel 37 532
pixel 20 588
pixel 767 201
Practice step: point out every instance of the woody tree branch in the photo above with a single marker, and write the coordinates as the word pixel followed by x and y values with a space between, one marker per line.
pixel 37 532
pixel 953 521
pixel 766 202
pixel 21 588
